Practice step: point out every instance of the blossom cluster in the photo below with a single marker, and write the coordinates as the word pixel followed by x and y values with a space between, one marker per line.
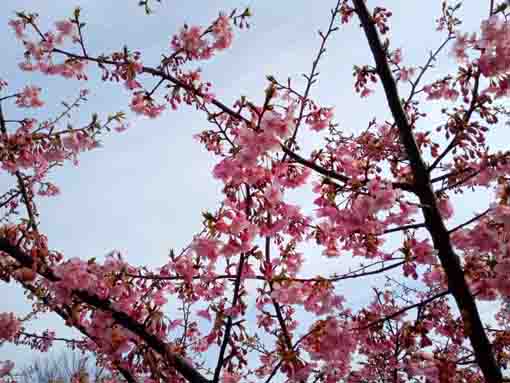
pixel 10 326
pixel 194 41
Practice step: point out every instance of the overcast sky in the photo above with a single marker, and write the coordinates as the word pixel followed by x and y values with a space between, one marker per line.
pixel 143 192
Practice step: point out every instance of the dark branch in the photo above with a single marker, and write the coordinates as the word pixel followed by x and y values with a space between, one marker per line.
pixel 450 261
pixel 180 364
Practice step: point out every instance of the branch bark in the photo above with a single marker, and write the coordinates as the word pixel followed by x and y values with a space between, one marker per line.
pixel 450 261
pixel 180 364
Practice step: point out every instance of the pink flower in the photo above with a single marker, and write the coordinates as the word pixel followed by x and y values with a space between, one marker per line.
pixel 206 248
pixel 190 40
pixel 501 214
pixel 65 27
pixel 445 208
pixel 226 170
pixel 440 90
pixel 292 293
pixel 396 56
pixel 121 127
pixel 159 298
pixel 184 267
pixel 494 40
pixel 230 377
pixel 383 196
pixel 196 44
pixel 272 122
pixel 204 314
pixel 19 28
pixel 29 98
pixel 273 194
pixel 335 346
pixel 422 250
pixel 48 340
pixel 222 31
pixel 78 141
pixel 406 73
pixel 320 119
pixel 5 368
pixel 140 104
pixel 462 42
pixel 366 92
pixel 10 326
pixel 48 189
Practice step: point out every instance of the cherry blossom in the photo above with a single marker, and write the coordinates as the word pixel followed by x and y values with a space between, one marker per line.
pixel 246 298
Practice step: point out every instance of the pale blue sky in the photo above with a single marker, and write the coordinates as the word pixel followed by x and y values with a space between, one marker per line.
pixel 143 192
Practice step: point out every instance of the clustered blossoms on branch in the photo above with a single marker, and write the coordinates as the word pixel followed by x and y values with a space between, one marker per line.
pixel 382 196
pixel 10 326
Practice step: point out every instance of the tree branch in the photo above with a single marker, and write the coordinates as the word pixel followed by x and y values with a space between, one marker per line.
pixel 180 364
pixel 237 289
pixel 405 309
pixel 449 260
